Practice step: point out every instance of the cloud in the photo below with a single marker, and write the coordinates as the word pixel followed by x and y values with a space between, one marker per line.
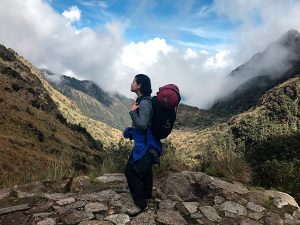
pixel 73 14
pixel 141 55
pixel 261 23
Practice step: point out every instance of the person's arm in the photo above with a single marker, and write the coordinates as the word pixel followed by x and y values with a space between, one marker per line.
pixel 141 120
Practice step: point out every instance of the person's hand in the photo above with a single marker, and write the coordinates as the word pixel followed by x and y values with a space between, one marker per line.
pixel 134 106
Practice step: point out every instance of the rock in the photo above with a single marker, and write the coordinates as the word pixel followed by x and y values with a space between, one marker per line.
pixel 290 220
pixel 228 221
pixel 122 201
pixel 187 208
pixel 42 215
pixel 76 205
pixel 178 185
pixel 22 194
pixel 249 222
pixel 106 195
pixel 210 213
pixel 4 193
pixel 191 207
pixel 102 196
pixel 13 208
pixel 55 196
pixel 228 187
pixel 273 219
pixel 61 186
pixel 48 221
pixel 281 199
pixel 80 183
pixel 170 217
pixel 95 207
pixel 296 214
pixel 95 222
pixel 144 218
pixel 16 218
pixel 202 178
pixel 174 198
pixel 41 208
pixel 76 217
pixel 254 207
pixel 167 204
pixel 218 200
pixel 65 201
pixel 196 215
pixel 112 178
pixel 118 219
pixel 255 216
pixel 234 208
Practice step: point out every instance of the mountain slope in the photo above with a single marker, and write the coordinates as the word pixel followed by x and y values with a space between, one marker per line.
pixel 99 130
pixel 35 139
pixel 95 103
pixel 265 70
pixel 267 137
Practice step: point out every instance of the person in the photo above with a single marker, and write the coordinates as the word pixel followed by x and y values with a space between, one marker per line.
pixel 147 148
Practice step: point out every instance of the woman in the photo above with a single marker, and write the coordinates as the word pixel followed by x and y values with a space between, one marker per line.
pixel 138 170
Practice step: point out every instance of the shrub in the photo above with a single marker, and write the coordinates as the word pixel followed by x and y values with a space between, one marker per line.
pixel 170 159
pixel 114 158
pixel 282 175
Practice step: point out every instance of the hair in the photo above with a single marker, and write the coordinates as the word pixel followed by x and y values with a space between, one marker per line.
pixel 145 83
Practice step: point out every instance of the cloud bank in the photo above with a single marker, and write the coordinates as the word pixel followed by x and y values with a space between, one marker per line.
pixel 102 54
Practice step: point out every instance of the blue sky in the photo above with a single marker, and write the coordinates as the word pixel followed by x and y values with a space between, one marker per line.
pixel 177 22
pixel 192 43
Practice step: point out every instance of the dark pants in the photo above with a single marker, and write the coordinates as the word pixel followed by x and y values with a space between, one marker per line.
pixel 140 180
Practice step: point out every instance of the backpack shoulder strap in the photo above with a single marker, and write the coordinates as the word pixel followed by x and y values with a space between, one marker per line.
pixel 145 98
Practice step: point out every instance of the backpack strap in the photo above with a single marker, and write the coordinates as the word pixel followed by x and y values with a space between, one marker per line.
pixel 144 98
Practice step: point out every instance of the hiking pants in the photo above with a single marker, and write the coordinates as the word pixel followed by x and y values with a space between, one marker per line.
pixel 140 184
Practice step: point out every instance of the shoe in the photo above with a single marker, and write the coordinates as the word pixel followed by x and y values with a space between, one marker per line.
pixel 134 210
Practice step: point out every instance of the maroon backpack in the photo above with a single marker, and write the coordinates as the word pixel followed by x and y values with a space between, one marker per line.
pixel 164 110
pixel 168 96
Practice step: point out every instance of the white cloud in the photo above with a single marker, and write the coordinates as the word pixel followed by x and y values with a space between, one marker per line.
pixel 141 55
pixel 73 14
pixel 262 22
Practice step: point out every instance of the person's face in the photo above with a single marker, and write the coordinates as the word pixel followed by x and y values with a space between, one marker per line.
pixel 135 86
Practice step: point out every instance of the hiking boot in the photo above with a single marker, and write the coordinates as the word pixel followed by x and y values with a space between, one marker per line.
pixel 134 210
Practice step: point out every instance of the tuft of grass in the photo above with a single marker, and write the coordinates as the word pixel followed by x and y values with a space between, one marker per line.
pixel 114 158
pixel 227 164
pixel 57 168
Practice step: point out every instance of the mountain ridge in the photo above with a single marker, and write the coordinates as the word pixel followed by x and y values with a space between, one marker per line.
pixel 269 69
pixel 111 109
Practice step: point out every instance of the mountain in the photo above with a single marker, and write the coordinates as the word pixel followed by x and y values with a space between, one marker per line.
pixel 263 141
pixel 95 103
pixel 36 140
pixel 279 62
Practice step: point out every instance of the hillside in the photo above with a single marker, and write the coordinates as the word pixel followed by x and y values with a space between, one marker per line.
pixel 36 141
pixel 189 117
pixel 279 62
pixel 95 103
pixel 267 138
pixel 99 130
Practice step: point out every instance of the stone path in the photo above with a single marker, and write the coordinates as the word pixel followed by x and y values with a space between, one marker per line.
pixel 180 198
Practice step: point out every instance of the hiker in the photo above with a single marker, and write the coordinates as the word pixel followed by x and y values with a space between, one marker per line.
pixel 147 148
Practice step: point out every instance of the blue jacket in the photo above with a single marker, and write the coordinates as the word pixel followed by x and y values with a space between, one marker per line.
pixel 143 140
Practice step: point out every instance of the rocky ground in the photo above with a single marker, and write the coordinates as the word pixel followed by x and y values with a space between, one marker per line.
pixel 180 198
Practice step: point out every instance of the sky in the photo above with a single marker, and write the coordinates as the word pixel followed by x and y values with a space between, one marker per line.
pixel 192 43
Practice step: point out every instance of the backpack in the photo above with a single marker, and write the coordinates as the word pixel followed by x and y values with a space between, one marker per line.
pixel 164 106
